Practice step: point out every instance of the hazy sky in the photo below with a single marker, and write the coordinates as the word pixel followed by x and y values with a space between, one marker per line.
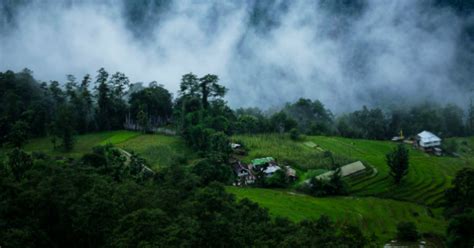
pixel 384 51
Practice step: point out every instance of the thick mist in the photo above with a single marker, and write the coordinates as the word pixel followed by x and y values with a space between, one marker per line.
pixel 375 52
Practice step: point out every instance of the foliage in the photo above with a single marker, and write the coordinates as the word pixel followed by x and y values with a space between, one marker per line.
pixel 210 170
pixel 279 179
pixel 460 231
pixel 460 208
pixel 450 146
pixel 75 204
pixel 311 117
pixel 154 102
pixel 18 162
pixel 63 128
pixel 398 162
pixel 324 187
pixel 294 134
pixel 460 196
pixel 406 231
pixel 18 135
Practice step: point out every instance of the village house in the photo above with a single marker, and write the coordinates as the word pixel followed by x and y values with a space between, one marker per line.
pixel 267 165
pixel 428 142
pixel 244 174
pixel 291 173
pixel 346 170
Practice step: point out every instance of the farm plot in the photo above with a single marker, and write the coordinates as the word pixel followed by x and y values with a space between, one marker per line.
pixel 159 150
pixel 295 153
pixel 372 215
pixel 428 176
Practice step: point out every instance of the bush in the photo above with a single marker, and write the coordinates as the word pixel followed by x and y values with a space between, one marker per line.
pixel 294 134
pixel 324 187
pixel 406 231
pixel 450 147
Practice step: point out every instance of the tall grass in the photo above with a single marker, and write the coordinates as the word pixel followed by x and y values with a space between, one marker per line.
pixel 287 151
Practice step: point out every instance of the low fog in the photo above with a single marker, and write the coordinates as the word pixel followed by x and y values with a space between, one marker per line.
pixel 375 52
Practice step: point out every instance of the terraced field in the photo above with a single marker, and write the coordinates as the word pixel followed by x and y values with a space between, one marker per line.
pixel 425 183
pixel 372 215
pixel 159 150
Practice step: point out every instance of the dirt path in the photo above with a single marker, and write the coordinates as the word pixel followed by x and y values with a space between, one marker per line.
pixel 128 160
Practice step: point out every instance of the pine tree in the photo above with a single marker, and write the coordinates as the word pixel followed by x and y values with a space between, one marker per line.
pixel 103 100
pixel 64 127
pixel 398 161
pixel 142 118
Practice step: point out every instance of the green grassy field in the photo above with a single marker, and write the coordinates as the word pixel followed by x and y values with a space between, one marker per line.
pixel 428 176
pixel 372 215
pixel 159 150
pixel 282 148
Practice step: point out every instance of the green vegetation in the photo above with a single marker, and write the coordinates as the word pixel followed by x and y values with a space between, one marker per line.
pixel 373 215
pixel 45 120
pixel 398 161
pixel 284 150
pixel 101 200
pixel 428 177
pixel 406 231
pixel 158 150
pixel 460 210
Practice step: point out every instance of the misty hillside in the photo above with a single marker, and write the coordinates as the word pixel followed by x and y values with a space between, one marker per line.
pixel 252 123
pixel 364 52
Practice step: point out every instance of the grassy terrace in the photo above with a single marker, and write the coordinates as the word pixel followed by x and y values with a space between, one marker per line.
pixel 372 215
pixel 425 183
pixel 428 178
pixel 159 150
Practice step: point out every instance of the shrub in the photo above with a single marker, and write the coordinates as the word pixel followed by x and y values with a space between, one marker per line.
pixel 406 231
pixel 294 134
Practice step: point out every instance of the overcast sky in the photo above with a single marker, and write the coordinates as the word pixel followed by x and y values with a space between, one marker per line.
pixel 389 51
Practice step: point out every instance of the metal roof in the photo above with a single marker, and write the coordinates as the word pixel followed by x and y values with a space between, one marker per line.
pixel 346 170
pixel 428 137
pixel 260 161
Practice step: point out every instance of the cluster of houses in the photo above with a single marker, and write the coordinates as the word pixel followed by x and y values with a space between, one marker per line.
pixel 425 141
pixel 247 173
pixel 267 166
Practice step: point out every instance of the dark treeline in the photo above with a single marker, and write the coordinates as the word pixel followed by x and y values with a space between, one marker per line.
pixel 108 102
pixel 33 109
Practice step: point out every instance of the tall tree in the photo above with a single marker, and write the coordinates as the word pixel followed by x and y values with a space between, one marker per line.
pixel 19 162
pixel 210 88
pixel 103 100
pixel 155 101
pixel 460 209
pixel 86 108
pixel 18 135
pixel 64 127
pixel 398 162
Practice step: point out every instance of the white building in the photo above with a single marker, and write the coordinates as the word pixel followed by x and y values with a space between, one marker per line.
pixel 270 170
pixel 428 140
